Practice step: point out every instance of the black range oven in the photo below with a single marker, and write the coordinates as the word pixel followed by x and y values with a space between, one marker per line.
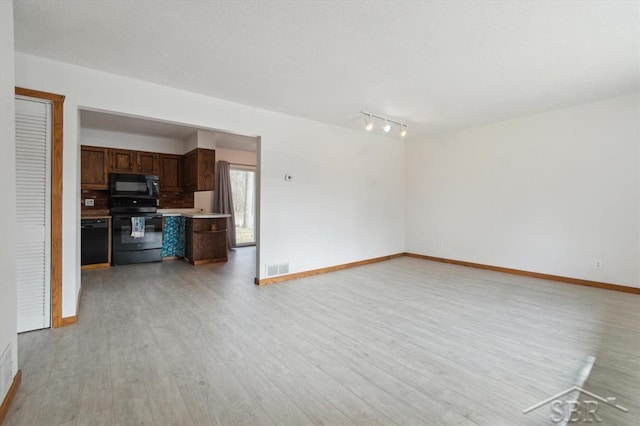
pixel 137 231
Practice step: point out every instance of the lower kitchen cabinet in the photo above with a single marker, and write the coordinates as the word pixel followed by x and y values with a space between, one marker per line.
pixel 173 236
pixel 206 240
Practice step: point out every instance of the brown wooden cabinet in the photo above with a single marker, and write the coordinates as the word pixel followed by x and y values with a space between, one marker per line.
pixel 206 170
pixel 127 161
pixel 198 170
pixel 188 239
pixel 94 167
pixel 206 240
pixel 190 171
pixel 194 171
pixel 123 161
pixel 148 163
pixel 170 172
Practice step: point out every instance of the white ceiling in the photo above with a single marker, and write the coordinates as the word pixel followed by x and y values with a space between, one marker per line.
pixel 434 65
pixel 141 126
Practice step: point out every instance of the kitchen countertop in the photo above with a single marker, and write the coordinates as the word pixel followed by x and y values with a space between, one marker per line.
pixel 192 213
pixel 95 214
pixel 178 212
pixel 206 215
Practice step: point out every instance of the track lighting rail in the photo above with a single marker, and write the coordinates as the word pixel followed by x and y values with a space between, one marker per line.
pixel 383 118
pixel 402 127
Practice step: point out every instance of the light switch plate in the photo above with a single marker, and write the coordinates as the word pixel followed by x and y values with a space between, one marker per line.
pixel 89 202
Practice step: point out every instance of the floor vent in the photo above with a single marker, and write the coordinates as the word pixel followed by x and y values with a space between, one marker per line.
pixel 277 269
pixel 283 268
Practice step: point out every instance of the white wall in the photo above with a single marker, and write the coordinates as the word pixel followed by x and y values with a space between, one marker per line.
pixel 190 143
pixel 549 193
pixel 130 141
pixel 237 157
pixel 8 298
pixel 344 204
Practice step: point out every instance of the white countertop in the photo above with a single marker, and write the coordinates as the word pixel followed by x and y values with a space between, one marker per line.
pixel 205 215
pixel 192 213
pixel 178 212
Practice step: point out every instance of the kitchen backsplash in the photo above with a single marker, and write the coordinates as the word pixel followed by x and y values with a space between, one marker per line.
pixel 168 200
pixel 176 200
pixel 100 199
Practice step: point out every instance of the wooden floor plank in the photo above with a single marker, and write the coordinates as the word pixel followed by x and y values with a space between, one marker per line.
pixel 406 341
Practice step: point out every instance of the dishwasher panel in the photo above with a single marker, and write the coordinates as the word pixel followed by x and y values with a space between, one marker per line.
pixel 94 241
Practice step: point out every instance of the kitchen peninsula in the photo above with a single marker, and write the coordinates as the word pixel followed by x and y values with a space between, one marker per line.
pixel 199 237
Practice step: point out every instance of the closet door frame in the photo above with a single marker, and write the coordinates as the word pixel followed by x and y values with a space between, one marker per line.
pixel 57 102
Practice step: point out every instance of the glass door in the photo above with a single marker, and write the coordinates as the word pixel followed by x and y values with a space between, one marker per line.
pixel 243 188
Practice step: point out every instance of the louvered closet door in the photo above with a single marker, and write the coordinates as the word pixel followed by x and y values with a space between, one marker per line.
pixel 33 213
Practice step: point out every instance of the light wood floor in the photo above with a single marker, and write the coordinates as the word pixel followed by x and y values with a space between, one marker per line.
pixel 405 341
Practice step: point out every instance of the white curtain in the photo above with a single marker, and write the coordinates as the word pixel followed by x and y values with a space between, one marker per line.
pixel 223 200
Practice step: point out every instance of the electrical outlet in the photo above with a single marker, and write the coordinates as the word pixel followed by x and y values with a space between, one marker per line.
pixel 89 202
pixel 597 264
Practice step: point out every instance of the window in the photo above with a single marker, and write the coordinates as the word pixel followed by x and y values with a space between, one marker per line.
pixel 243 188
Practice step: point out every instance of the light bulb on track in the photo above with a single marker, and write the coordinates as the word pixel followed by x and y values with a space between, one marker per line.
pixel 368 123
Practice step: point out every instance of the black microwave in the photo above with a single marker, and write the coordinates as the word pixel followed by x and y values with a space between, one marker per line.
pixel 134 186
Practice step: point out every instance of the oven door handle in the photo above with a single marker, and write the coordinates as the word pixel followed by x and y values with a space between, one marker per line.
pixel 120 221
pixel 128 216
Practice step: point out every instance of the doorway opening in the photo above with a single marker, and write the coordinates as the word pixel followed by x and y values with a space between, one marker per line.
pixel 173 144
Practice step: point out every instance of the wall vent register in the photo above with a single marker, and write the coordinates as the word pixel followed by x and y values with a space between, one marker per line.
pixel 277 269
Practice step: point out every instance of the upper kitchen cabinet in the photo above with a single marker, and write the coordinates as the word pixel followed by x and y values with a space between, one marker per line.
pixel 94 167
pixel 126 161
pixel 123 161
pixel 206 170
pixel 148 163
pixel 170 172
pixel 190 171
pixel 198 170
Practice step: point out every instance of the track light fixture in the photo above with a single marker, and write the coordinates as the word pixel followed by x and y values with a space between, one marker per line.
pixel 368 123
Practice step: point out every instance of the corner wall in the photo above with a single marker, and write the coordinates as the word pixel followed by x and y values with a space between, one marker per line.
pixel 345 202
pixel 549 193
pixel 8 291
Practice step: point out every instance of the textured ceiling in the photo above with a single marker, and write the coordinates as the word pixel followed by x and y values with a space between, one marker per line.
pixel 434 65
